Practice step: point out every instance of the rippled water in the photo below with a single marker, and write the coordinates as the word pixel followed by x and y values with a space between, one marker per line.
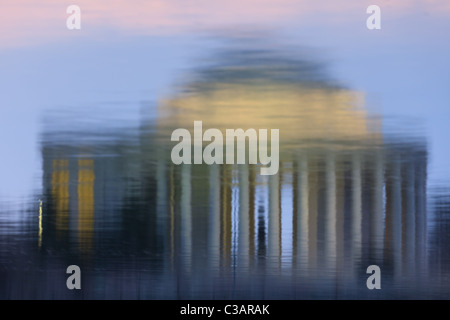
pixel 356 185
pixel 347 195
pixel 144 228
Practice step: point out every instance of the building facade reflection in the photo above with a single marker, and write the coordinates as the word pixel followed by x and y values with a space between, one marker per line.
pixel 345 195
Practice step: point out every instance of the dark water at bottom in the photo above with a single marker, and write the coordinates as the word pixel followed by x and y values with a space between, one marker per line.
pixel 141 228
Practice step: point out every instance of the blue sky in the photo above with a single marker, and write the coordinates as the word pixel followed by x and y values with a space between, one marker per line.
pixel 403 69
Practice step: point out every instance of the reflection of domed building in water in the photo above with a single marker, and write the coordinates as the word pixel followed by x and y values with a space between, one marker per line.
pixel 344 194
pixel 340 187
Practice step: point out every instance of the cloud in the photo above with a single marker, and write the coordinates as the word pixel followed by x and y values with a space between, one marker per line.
pixel 26 22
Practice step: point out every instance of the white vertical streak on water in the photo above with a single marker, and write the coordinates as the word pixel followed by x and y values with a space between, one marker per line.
pixel 287 217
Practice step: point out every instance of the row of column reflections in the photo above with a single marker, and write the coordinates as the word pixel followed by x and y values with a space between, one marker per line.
pixel 329 211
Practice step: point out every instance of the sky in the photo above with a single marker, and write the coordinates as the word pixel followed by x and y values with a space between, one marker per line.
pixel 128 53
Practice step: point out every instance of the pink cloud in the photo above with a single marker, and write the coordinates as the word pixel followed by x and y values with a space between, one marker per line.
pixel 26 21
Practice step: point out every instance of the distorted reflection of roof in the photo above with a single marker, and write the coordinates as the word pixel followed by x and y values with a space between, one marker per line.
pixel 247 66
pixel 269 87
